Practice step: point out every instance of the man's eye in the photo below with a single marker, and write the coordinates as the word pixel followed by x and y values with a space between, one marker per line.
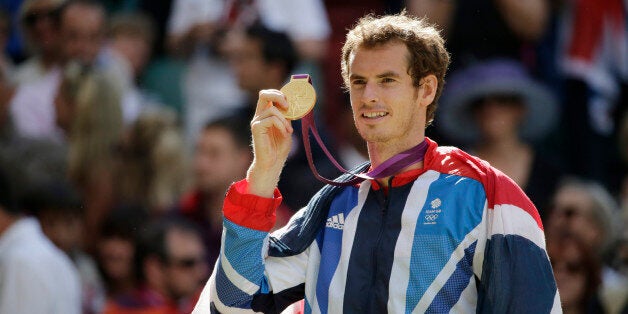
pixel 358 82
pixel 387 80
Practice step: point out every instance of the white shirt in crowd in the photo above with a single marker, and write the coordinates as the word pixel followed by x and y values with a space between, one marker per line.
pixel 35 276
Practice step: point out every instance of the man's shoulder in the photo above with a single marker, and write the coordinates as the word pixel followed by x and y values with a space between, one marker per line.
pixel 455 161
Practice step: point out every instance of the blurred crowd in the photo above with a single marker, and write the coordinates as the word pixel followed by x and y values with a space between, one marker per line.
pixel 123 122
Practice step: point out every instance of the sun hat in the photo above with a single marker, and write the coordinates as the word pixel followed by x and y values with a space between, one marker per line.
pixel 494 77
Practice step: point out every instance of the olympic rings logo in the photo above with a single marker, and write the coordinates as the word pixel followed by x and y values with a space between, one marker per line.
pixel 431 217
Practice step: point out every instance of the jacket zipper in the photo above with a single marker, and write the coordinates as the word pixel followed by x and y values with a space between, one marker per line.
pixel 384 215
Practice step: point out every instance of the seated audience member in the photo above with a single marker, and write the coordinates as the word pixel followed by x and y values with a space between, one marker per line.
pixel 578 273
pixel 39 25
pixel 59 210
pixel 88 110
pixel 480 30
pixel 36 277
pixel 498 111
pixel 586 210
pixel 264 59
pixel 221 157
pixel 130 42
pixel 170 262
pixel 152 169
pixel 81 27
pixel 116 246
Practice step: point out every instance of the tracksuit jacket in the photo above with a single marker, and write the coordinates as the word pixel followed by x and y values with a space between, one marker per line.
pixel 455 236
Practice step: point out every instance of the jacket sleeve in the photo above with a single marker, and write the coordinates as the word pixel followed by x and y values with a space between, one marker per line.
pixel 516 274
pixel 245 279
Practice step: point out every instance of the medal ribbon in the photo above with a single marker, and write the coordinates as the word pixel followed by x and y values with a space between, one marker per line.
pixel 389 167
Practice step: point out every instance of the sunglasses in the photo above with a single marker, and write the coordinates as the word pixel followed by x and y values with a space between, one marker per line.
pixel 186 262
pixel 33 17
pixel 568 211
pixel 570 267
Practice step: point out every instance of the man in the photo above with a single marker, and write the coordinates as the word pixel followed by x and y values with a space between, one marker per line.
pixel 81 29
pixel 195 29
pixel 222 156
pixel 35 276
pixel 170 263
pixel 262 58
pixel 446 233
pixel 59 210
pixel 131 37
pixel 40 26
pixel 82 26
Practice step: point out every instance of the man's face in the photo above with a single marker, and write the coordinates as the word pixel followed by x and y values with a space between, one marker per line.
pixel 40 27
pixel 385 103
pixel 247 62
pixel 570 273
pixel 572 212
pixel 218 161
pixel 186 268
pixel 116 255
pixel 82 30
pixel 135 49
pixel 499 116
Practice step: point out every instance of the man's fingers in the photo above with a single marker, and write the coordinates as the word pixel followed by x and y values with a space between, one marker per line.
pixel 265 124
pixel 273 111
pixel 273 96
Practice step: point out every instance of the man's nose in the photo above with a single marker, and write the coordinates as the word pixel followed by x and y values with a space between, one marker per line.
pixel 370 94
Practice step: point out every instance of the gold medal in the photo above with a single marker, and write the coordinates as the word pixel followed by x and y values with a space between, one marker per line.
pixel 301 97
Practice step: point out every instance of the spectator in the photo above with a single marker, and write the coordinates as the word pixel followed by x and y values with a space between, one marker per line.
pixel 221 157
pixel 261 59
pixel 499 112
pixel 152 170
pixel 170 261
pixel 88 110
pixel 593 63
pixel 485 29
pixel 578 274
pixel 37 79
pixel 131 37
pixel 83 27
pixel 39 21
pixel 586 210
pixel 116 246
pixel 195 29
pixel 37 277
pixel 59 210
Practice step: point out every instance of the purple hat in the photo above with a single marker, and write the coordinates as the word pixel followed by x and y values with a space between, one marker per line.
pixel 494 77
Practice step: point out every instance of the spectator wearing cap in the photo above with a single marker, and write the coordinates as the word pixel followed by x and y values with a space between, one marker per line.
pixel 497 111
pixel 39 23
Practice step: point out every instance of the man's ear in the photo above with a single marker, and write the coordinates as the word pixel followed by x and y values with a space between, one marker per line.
pixel 427 90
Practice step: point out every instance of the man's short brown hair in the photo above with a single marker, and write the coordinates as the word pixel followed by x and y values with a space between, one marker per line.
pixel 427 54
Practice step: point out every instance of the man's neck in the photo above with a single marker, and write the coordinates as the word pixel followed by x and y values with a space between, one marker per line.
pixel 380 152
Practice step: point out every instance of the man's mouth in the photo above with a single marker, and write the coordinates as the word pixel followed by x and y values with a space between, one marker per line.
pixel 375 114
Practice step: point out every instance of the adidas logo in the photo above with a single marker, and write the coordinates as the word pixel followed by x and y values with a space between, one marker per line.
pixel 336 221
